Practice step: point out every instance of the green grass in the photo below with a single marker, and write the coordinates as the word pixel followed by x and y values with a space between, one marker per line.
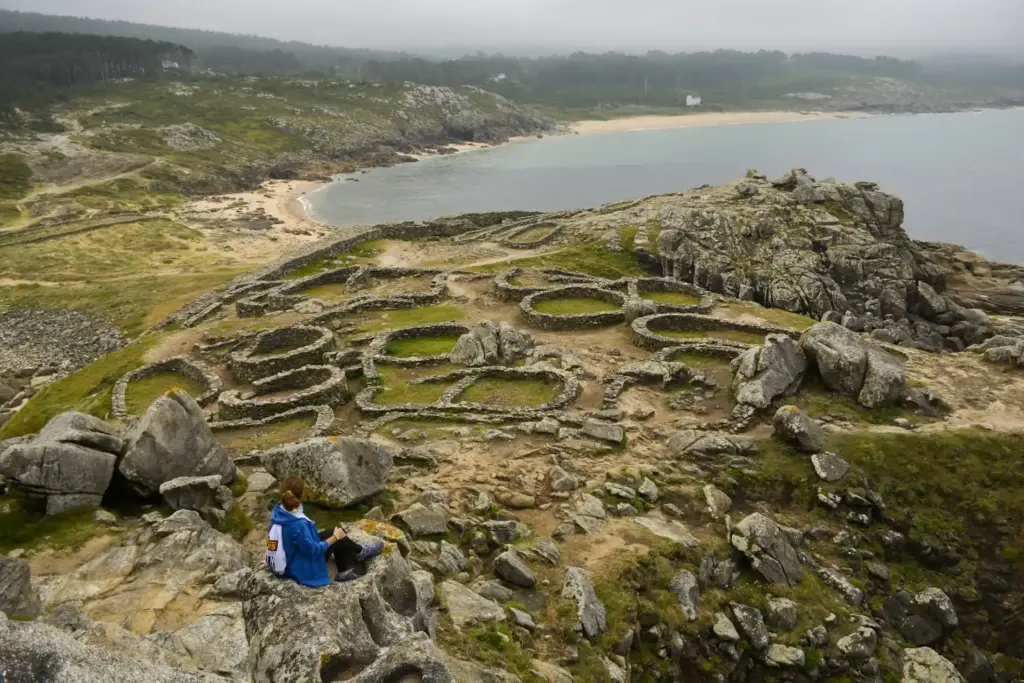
pixel 818 401
pixel 492 644
pixel 398 390
pixel 239 441
pixel 237 523
pixel 958 488
pixel 534 234
pixel 124 195
pixel 593 258
pixel 573 306
pixel 774 316
pixel 321 264
pixel 87 391
pixel 510 392
pixel 364 253
pixel 728 335
pixel 141 393
pixel 15 177
pixel 627 238
pixel 699 360
pixel 942 481
pixel 421 346
pixel 674 298
pixel 132 275
pixel 24 526
pixel 410 317
pixel 331 291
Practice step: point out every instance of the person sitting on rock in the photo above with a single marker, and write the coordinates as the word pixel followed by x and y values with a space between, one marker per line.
pixel 296 550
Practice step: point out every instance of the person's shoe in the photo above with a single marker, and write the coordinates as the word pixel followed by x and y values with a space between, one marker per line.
pixel 347 575
pixel 371 548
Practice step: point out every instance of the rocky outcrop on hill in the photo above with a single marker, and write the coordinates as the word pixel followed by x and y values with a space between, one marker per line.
pixel 31 652
pixel 491 344
pixel 69 463
pixel 831 250
pixel 172 440
pixel 341 471
pixel 851 366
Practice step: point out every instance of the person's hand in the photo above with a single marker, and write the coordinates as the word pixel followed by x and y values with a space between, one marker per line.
pixel 339 533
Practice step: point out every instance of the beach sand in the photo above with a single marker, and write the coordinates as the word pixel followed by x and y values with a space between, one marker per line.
pixel 703 119
pixel 223 218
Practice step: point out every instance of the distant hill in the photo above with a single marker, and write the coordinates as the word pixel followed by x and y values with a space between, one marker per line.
pixel 227 52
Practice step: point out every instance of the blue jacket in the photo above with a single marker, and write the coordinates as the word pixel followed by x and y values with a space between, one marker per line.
pixel 306 553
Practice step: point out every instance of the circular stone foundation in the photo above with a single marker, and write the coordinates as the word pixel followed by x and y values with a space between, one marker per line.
pixel 308 386
pixel 196 371
pixel 672 296
pixel 382 345
pixel 573 321
pixel 712 349
pixel 280 350
pixel 650 331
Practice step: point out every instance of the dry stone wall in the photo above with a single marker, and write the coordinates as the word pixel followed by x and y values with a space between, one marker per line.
pixel 547 321
pixel 179 365
pixel 299 346
pixel 311 385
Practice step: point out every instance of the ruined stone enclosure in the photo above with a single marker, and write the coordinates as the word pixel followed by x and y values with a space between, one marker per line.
pixel 329 343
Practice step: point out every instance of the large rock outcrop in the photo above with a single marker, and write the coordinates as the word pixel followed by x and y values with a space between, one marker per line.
pixel 172 440
pixel 69 463
pixel 369 630
pixel 491 344
pixel 854 367
pixel 768 548
pixel 33 652
pixel 339 471
pixel 766 372
pixel 153 574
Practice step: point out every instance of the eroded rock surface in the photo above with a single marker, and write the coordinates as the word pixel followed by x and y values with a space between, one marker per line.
pixel 69 463
pixel 341 471
pixel 172 440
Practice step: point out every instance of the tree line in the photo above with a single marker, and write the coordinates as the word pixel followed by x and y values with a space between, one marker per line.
pixel 726 77
pixel 38 67
pixel 227 53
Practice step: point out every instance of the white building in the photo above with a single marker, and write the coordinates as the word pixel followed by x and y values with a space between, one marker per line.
pixel 693 100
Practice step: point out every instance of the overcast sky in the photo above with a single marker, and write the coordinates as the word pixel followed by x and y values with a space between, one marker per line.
pixel 904 27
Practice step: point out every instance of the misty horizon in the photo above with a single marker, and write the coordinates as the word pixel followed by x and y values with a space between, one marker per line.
pixel 450 28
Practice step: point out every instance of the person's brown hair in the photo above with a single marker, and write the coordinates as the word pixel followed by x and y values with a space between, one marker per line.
pixel 291 492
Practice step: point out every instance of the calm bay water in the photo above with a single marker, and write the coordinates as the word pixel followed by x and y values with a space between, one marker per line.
pixel 959 174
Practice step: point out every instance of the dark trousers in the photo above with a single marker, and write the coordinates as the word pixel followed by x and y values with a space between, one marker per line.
pixel 344 551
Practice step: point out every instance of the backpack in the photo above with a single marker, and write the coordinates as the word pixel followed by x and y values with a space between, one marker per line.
pixel 275 558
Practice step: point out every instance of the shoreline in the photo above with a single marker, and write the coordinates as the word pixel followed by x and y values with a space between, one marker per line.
pixel 704 119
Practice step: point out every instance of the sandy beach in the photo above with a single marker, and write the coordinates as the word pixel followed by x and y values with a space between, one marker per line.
pixel 279 200
pixel 703 119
